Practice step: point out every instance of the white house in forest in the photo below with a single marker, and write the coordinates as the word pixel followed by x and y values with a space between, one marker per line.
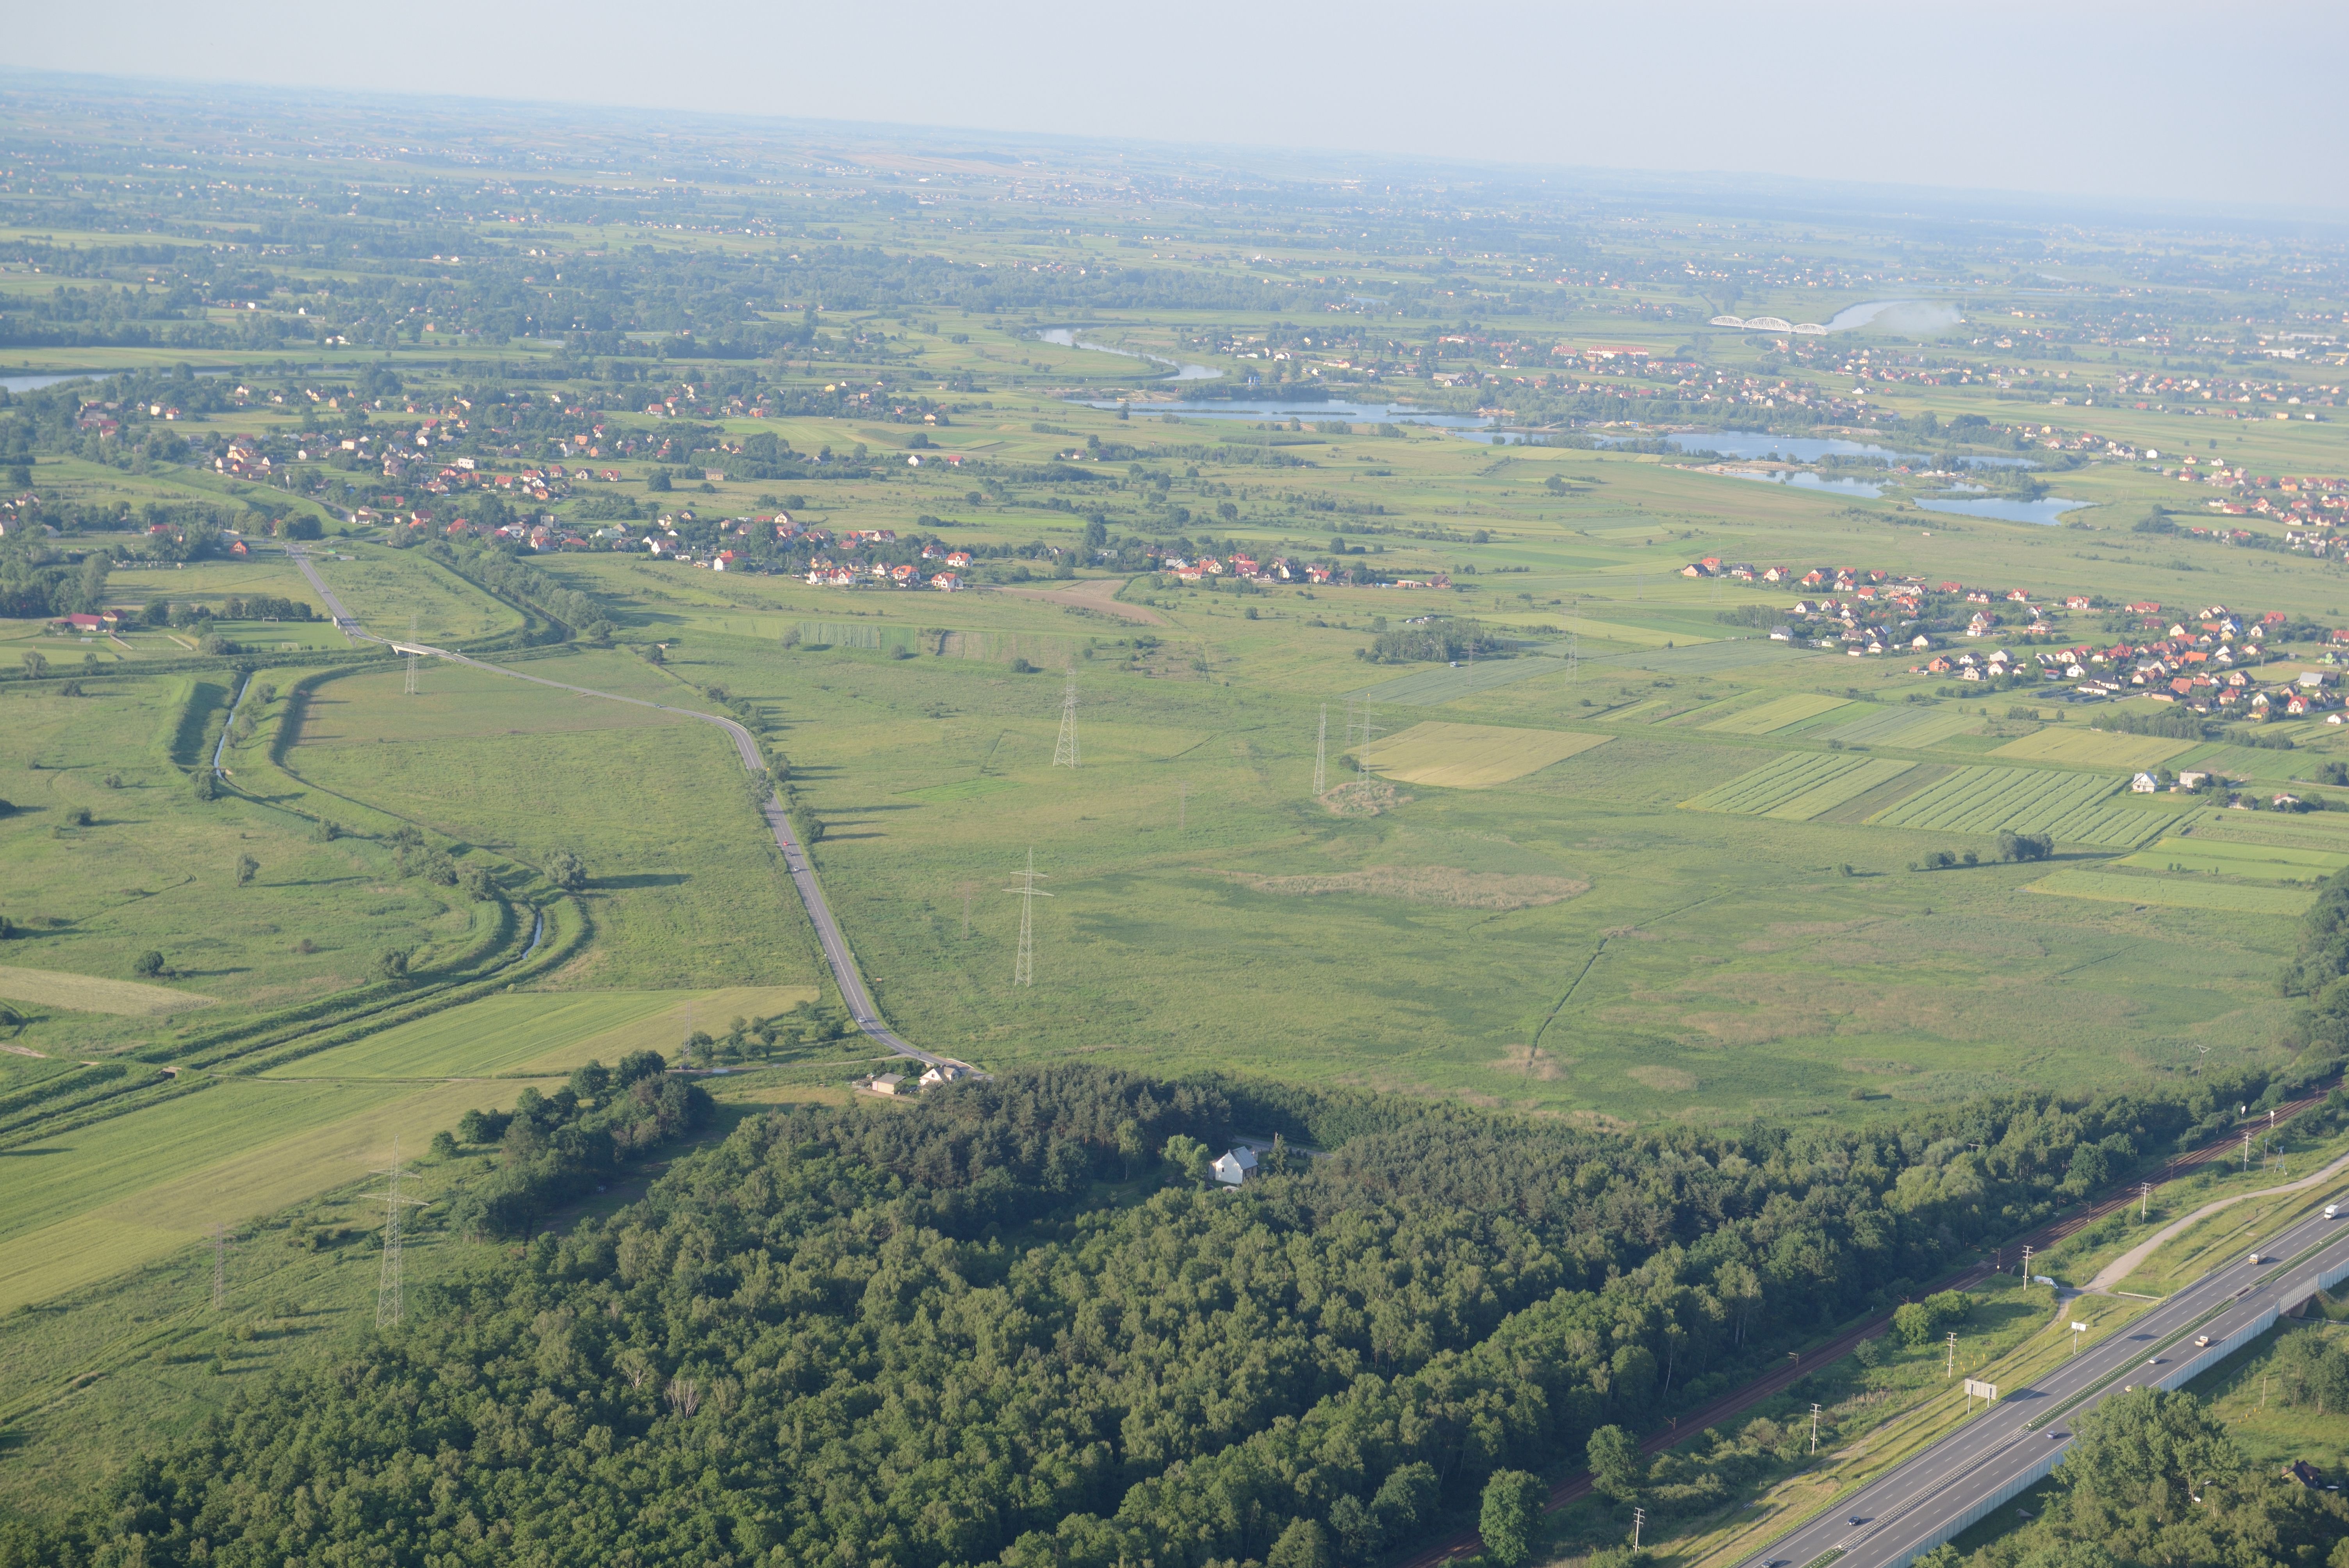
pixel 1234 1167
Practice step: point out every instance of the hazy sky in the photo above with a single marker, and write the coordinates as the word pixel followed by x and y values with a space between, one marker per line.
pixel 2216 105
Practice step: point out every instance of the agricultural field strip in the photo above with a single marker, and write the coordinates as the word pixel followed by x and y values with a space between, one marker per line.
pixel 2078 748
pixel 2183 892
pixel 1835 791
pixel 1472 756
pixel 1908 727
pixel 2265 862
pixel 1783 779
pixel 1778 713
pixel 2075 807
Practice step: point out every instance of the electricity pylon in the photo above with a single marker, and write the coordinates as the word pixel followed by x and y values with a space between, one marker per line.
pixel 411 689
pixel 389 1304
pixel 1321 754
pixel 1023 969
pixel 1064 753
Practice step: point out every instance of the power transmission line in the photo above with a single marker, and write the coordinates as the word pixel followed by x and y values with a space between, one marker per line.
pixel 1023 969
pixel 1064 753
pixel 389 1304
pixel 410 688
pixel 1321 754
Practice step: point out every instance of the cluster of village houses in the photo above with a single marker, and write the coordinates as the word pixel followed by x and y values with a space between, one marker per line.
pixel 2200 660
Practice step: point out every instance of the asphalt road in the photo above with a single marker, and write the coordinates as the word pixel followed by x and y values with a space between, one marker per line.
pixel 1916 1504
pixel 842 963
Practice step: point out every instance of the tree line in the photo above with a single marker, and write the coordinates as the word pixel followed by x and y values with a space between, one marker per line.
pixel 1002 1326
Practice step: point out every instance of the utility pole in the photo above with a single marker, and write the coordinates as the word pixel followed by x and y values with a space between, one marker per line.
pixel 389 1303
pixel 1023 967
pixel 2026 1265
pixel 1950 1370
pixel 1321 754
pixel 1064 751
pixel 2144 1200
pixel 1639 1518
pixel 2247 1152
pixel 219 1265
pixel 1362 757
pixel 1815 1429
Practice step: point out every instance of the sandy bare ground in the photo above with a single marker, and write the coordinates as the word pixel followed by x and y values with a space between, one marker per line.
pixel 1091 593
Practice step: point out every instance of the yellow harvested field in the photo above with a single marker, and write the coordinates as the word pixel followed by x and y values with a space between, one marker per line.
pixel 1778 713
pixel 2080 747
pixel 1471 756
pixel 89 994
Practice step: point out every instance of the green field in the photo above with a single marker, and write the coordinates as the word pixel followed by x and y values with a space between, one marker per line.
pixel 1778 713
pixel 1907 725
pixel 2260 862
pixel 2076 809
pixel 2079 748
pixel 1800 787
pixel 2177 892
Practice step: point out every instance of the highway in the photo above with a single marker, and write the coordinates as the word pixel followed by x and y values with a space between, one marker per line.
pixel 836 954
pixel 1924 1502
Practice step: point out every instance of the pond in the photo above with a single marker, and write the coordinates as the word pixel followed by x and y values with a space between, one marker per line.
pixel 1066 336
pixel 2048 511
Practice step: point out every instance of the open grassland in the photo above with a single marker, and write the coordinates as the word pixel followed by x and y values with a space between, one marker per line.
pixel 366 707
pixel 2178 893
pixel 93 994
pixel 1201 897
pixel 1426 688
pixel 2076 747
pixel 389 590
pixel 684 887
pixel 1471 756
pixel 156 868
pixel 1778 713
pixel 2075 808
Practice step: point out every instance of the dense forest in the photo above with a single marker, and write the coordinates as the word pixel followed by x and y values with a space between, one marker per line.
pixel 1008 1323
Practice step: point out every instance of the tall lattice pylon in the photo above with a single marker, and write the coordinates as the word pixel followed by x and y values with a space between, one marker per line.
pixel 1023 969
pixel 1064 753
pixel 411 689
pixel 389 1301
pixel 1363 756
pixel 1321 754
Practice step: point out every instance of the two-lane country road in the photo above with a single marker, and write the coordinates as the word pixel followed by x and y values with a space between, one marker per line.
pixel 836 954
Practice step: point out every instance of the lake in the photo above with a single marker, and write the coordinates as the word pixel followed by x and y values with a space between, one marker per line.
pixel 1329 408
pixel 1806 481
pixel 2049 511
pixel 1799 448
pixel 1067 338
pixel 34 383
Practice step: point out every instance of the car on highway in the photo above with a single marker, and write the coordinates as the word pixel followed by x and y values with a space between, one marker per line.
pixel 1854 1519
pixel 2201 1341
